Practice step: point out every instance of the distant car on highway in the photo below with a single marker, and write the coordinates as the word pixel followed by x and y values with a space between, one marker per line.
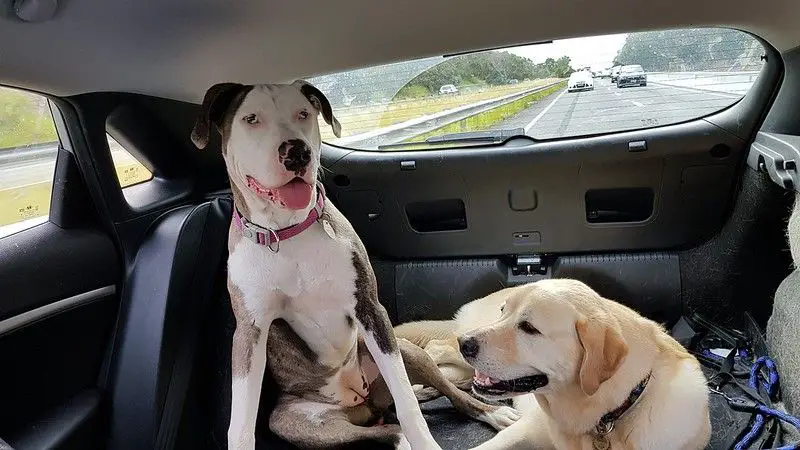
pixel 580 81
pixel 604 73
pixel 448 89
pixel 615 73
pixel 631 75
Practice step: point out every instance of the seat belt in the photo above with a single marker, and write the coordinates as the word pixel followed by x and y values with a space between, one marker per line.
pixel 213 241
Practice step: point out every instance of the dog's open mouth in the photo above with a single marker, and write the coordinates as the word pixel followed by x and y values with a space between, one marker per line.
pixel 486 385
pixel 296 194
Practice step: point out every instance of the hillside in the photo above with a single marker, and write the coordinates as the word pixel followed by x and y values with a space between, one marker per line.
pixel 691 50
pixel 491 68
pixel 424 77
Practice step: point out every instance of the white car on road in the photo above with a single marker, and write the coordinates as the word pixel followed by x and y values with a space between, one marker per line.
pixel 448 89
pixel 580 81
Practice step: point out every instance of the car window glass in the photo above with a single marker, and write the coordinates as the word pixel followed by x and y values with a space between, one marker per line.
pixel 129 170
pixel 668 77
pixel 28 149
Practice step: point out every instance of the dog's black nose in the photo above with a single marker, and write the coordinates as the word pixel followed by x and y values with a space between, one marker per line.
pixel 469 347
pixel 295 155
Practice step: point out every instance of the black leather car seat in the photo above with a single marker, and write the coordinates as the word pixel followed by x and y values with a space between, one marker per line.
pixel 165 298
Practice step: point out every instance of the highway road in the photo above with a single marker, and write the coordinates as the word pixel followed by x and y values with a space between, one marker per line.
pixel 608 108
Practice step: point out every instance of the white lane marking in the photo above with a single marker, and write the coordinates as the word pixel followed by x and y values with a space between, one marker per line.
pixel 617 94
pixel 639 104
pixel 541 114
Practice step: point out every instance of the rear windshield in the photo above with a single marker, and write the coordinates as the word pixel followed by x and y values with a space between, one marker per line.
pixel 486 97
pixel 629 69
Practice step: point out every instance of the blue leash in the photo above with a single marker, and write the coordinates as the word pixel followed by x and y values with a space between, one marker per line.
pixel 769 383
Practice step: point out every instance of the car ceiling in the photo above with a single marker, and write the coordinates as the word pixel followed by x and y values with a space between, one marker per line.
pixel 178 48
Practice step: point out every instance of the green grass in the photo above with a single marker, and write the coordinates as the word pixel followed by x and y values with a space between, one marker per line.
pixel 25 119
pixel 412 91
pixel 487 119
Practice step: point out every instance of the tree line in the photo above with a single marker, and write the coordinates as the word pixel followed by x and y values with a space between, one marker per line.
pixel 699 49
pixel 485 68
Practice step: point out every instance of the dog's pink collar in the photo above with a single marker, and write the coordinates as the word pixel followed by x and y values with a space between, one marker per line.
pixel 272 238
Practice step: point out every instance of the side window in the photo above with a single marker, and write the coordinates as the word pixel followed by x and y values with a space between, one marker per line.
pixel 129 170
pixel 28 149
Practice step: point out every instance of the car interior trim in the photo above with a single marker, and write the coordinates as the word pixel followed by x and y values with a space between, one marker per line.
pixel 43 312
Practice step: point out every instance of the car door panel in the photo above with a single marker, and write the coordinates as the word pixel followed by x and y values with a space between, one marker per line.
pixel 57 312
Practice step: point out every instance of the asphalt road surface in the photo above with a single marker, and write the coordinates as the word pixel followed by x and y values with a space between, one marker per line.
pixel 608 109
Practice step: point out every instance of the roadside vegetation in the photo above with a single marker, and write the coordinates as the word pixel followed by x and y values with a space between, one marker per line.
pixel 489 69
pixel 492 117
pixel 701 49
pixel 24 119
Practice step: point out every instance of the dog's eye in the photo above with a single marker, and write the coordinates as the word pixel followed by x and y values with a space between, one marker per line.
pixel 526 327
pixel 302 115
pixel 252 119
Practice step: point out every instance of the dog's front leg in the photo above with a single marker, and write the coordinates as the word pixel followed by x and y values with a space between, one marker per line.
pixel 373 322
pixel 248 364
pixel 382 345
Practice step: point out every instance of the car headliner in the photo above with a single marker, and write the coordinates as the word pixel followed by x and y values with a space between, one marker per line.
pixel 178 48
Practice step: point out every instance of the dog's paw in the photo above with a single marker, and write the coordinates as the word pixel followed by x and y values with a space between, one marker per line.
pixel 501 417
pixel 402 443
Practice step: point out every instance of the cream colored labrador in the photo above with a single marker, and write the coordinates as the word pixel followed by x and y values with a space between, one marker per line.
pixel 601 375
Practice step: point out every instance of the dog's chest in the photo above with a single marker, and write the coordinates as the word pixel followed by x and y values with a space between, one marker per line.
pixel 310 282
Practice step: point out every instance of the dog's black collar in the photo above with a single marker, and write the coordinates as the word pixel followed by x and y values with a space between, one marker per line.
pixel 606 423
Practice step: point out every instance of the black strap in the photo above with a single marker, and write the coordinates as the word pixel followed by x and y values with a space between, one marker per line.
pixel 213 242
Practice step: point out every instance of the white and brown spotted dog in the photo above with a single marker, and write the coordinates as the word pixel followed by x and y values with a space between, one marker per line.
pixel 293 256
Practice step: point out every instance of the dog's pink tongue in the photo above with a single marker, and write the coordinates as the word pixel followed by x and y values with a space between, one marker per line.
pixel 295 194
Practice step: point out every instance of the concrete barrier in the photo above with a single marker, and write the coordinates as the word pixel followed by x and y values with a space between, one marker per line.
pixel 737 83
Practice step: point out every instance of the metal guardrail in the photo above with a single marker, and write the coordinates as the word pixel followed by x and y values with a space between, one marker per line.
pixel 35 152
pixel 423 124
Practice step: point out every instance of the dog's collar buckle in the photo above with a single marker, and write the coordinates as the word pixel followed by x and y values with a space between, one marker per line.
pixel 603 428
pixel 259 235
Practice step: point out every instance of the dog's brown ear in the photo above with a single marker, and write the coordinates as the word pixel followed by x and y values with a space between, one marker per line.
pixel 216 102
pixel 604 349
pixel 321 103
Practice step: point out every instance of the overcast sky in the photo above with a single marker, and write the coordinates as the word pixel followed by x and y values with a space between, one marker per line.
pixel 597 51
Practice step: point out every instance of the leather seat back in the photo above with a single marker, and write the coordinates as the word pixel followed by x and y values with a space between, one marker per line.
pixel 164 298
